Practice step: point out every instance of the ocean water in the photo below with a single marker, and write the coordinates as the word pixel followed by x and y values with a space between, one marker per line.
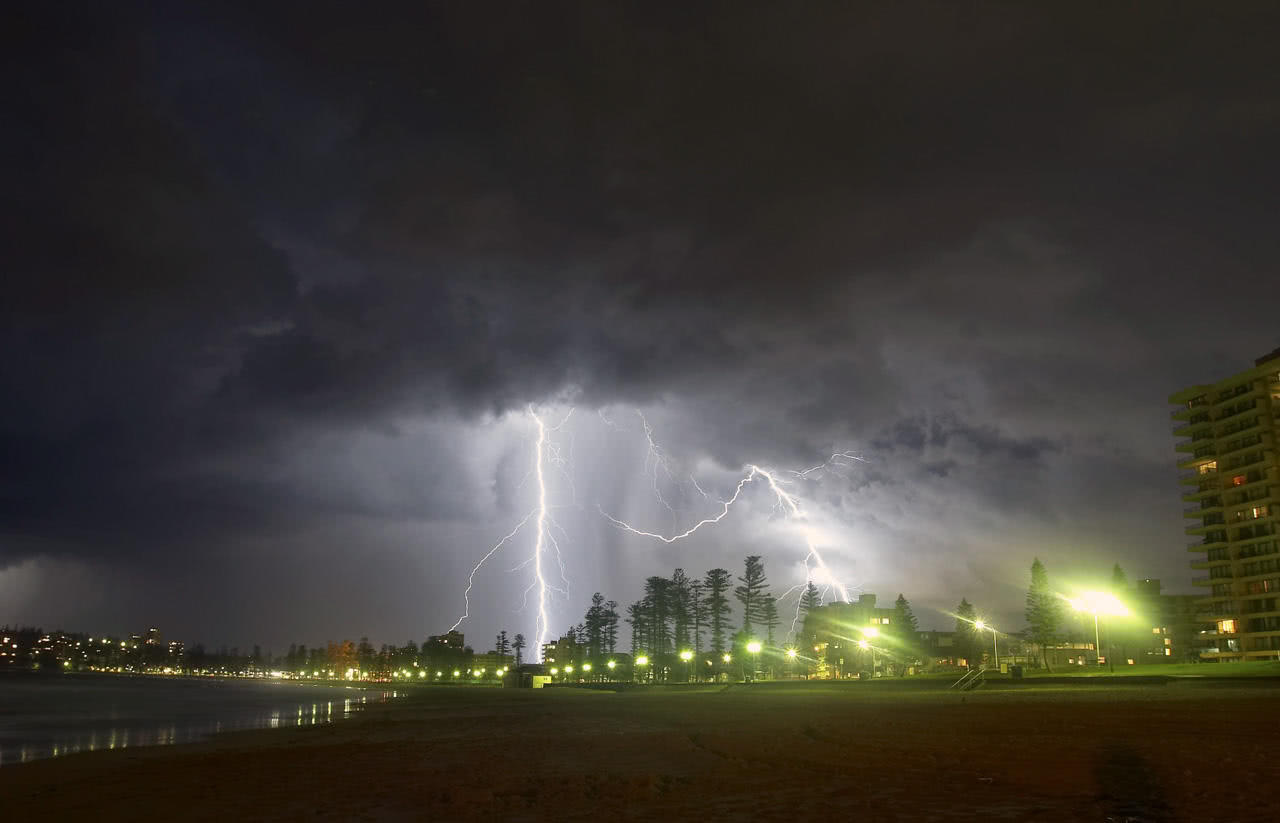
pixel 58 716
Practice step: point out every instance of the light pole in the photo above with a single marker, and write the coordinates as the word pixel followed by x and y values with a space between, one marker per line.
pixel 754 648
pixel 873 632
pixel 1097 604
pixel 864 645
pixel 641 662
pixel 791 660
pixel 995 645
pixel 686 656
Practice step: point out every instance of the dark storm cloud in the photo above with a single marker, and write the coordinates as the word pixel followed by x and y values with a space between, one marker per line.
pixel 966 242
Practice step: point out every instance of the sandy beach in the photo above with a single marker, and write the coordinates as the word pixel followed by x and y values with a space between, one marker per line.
pixel 884 752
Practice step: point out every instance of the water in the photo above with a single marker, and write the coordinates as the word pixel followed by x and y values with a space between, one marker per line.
pixel 53 717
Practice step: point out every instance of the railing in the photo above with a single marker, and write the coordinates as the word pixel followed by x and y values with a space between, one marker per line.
pixel 971 679
pixel 1202 508
pixel 1201 581
pixel 1194 473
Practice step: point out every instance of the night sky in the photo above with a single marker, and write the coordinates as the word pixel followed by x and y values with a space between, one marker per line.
pixel 280 282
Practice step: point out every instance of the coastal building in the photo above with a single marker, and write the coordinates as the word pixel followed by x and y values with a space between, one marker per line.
pixel 837 633
pixel 1230 475
pixel 1168 630
pixel 562 652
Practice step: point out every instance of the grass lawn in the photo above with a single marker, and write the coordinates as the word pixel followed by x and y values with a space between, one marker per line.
pixel 1259 669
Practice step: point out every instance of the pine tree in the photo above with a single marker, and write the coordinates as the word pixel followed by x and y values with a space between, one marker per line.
pixel 810 600
pixel 751 593
pixel 681 610
pixel 500 643
pixel 698 609
pixel 596 618
pixel 518 646
pixel 905 628
pixel 716 603
pixel 637 616
pixel 1119 582
pixel 966 643
pixel 1043 612
pixel 769 616
pixel 611 626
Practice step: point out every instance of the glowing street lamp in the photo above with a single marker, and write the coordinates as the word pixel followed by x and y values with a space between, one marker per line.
pixel 612 664
pixel 728 658
pixel 686 656
pixel 586 667
pixel 754 648
pixel 981 625
pixel 641 661
pixel 864 645
pixel 1099 604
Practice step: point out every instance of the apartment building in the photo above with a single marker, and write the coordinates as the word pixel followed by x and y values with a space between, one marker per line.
pixel 1230 474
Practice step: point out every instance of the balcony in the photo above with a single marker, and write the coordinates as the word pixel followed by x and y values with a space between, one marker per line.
pixel 1202 581
pixel 1247 442
pixel 1201 509
pixel 1197 421
pixel 1197 475
pixel 1246 461
pixel 1234 410
pixel 1203 454
pixel 1204 544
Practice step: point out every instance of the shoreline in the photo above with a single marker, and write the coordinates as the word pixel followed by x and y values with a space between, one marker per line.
pixel 759 753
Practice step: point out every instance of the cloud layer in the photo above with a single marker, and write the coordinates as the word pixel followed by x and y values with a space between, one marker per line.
pixel 280 286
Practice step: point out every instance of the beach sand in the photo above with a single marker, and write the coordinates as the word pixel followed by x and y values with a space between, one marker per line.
pixel 870 752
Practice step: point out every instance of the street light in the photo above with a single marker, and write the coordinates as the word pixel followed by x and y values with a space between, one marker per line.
pixel 754 648
pixel 728 658
pixel 1104 604
pixel 864 645
pixel 686 656
pixel 642 660
pixel 980 625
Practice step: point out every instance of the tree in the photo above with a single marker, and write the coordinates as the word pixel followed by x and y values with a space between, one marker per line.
pixel 611 625
pixel 681 610
pixel 1119 582
pixel 716 604
pixel 966 643
pixel 699 615
pixel 1043 612
pixel 769 617
pixel 810 600
pixel 637 616
pixel 752 593
pixel 658 605
pixel 501 644
pixel 518 645
pixel 596 619
pixel 905 629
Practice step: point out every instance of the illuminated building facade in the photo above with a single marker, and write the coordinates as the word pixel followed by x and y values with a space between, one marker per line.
pixel 833 633
pixel 1231 484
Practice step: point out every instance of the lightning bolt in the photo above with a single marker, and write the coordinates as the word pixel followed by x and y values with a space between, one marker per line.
pixel 541 541
pixel 471 578
pixel 544 452
pixel 785 500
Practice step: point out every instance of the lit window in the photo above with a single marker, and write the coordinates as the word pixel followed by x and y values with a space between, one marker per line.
pixel 1168 652
pixel 1155 629
pixel 1226 626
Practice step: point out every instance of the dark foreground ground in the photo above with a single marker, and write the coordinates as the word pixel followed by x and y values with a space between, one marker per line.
pixel 1187 751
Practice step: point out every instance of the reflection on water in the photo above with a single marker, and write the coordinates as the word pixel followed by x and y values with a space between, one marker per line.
pixel 53 719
